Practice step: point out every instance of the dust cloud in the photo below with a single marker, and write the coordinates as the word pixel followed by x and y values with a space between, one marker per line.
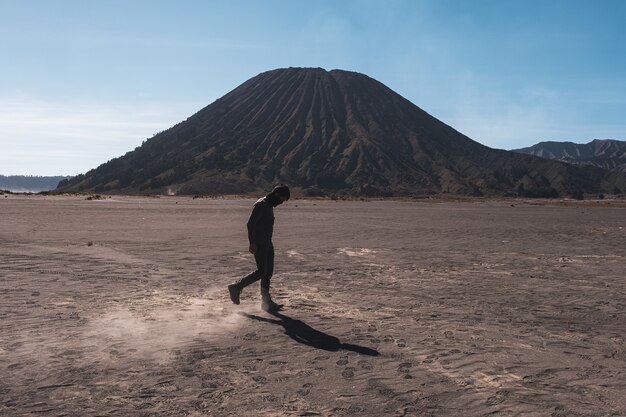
pixel 154 327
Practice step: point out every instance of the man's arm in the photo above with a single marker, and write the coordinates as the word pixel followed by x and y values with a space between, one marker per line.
pixel 255 216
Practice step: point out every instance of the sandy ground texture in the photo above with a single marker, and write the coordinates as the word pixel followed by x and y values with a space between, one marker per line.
pixel 118 307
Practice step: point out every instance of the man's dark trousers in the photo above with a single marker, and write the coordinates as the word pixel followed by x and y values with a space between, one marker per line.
pixel 264 258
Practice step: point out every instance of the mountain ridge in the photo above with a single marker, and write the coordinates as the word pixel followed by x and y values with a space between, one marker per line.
pixel 603 153
pixel 326 133
pixel 28 183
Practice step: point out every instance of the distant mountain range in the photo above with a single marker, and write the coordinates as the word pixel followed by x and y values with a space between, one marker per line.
pixel 24 183
pixel 608 154
pixel 328 133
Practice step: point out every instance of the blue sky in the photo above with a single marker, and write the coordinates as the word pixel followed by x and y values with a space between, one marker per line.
pixel 82 82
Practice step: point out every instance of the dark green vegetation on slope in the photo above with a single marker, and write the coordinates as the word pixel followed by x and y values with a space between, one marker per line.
pixel 328 133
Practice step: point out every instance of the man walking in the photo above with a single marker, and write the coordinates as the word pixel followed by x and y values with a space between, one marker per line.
pixel 260 229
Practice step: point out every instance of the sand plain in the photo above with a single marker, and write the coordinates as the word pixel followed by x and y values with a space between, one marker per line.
pixel 117 307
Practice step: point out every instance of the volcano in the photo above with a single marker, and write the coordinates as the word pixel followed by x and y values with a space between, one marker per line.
pixel 328 133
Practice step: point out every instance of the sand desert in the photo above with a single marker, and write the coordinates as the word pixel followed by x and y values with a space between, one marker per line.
pixel 118 307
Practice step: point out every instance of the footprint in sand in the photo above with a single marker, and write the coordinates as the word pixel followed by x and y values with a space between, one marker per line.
pixel 348 373
pixel 404 369
pixel 250 336
pixel 498 398
pixel 305 390
pixel 166 387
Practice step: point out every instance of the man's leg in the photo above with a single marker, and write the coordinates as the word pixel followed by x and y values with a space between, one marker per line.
pixel 268 270
pixel 260 256
pixel 267 304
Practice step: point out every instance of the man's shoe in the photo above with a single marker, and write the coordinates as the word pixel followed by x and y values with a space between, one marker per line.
pixel 267 304
pixel 234 292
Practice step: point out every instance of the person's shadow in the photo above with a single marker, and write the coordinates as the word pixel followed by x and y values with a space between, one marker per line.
pixel 307 335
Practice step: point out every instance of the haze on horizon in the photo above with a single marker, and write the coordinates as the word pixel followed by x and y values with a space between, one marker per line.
pixel 86 82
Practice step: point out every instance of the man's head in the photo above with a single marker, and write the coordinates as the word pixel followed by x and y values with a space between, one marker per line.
pixel 282 193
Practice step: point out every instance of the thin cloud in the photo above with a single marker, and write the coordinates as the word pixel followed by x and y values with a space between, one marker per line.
pixel 515 126
pixel 75 137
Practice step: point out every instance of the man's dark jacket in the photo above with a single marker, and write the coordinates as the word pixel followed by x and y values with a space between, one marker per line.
pixel 261 221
